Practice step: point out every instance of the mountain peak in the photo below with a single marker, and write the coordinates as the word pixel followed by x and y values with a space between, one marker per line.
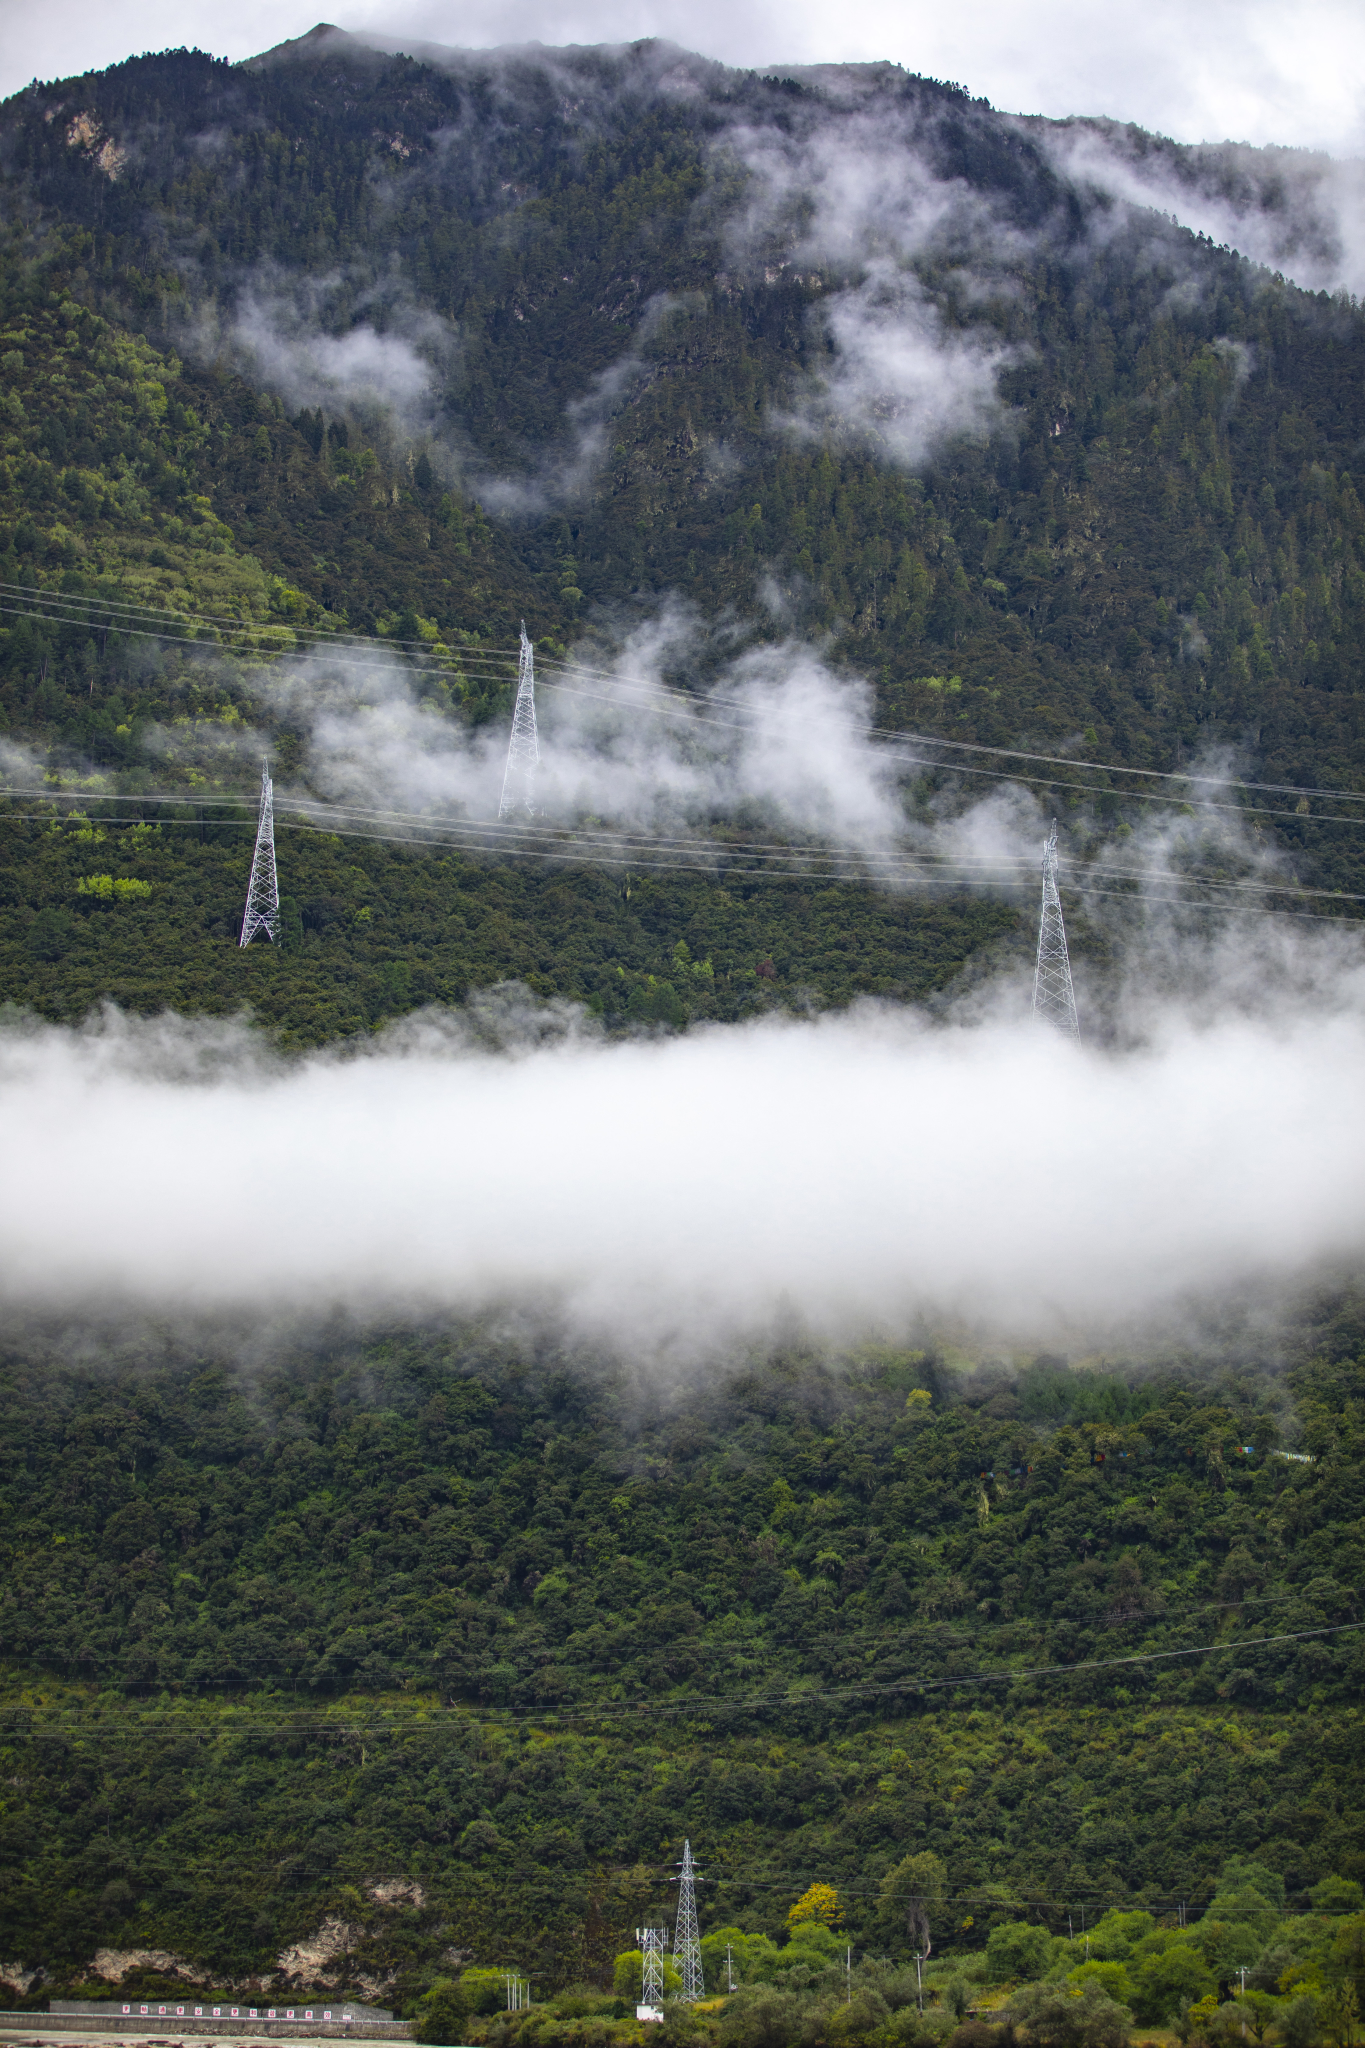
pixel 324 36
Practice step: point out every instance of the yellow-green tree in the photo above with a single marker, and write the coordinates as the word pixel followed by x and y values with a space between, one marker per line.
pixel 819 1902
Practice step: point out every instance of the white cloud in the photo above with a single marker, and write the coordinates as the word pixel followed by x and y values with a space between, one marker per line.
pixel 779 739
pixel 20 767
pixel 902 380
pixel 861 1171
pixel 279 331
pixel 849 199
pixel 1246 68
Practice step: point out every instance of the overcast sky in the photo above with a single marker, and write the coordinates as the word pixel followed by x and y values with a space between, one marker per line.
pixel 1200 70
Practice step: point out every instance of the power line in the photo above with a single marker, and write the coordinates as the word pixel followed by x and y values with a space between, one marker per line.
pixel 913 738
pixel 719 862
pixel 345 638
pixel 837 1644
pixel 323 811
pixel 704 1706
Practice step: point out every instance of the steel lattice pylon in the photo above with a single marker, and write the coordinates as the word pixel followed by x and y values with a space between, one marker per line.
pixel 1054 998
pixel 687 1937
pixel 651 2006
pixel 523 749
pixel 262 913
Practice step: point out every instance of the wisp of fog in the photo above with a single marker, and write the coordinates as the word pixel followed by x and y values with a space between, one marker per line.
pixel 857 1171
pixel 780 741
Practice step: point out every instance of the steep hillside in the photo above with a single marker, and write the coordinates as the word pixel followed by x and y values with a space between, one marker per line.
pixel 447 1609
pixel 573 336
pixel 346 1658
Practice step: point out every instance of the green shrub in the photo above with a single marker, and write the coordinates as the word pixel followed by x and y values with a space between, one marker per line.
pixel 1055 2016
pixel 1017 1952
pixel 443 2014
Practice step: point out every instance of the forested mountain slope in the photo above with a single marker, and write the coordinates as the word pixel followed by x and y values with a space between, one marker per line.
pixel 433 346
pixel 450 1609
pixel 440 1640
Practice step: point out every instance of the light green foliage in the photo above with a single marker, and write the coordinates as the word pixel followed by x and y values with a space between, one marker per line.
pixel 114 888
pixel 752 1957
pixel 484 1990
pixel 911 1896
pixel 1337 1895
pixel 1298 2022
pixel 1017 1952
pixel 1115 1935
pixel 1168 1973
pixel 811 1945
pixel 1227 1944
pixel 1112 1979
pixel 1346 1956
pixel 627 1976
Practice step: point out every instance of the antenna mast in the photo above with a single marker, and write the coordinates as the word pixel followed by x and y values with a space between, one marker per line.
pixel 651 2006
pixel 262 913
pixel 1054 999
pixel 523 751
pixel 687 1938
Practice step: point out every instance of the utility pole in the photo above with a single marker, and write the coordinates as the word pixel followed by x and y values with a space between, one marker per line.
pixel 523 749
pixel 687 1938
pixel 262 913
pixel 729 1968
pixel 1054 998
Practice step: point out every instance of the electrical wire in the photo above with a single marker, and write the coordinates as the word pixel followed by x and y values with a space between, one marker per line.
pixel 831 1643
pixel 343 637
pixel 422 822
pixel 704 1707
pixel 720 861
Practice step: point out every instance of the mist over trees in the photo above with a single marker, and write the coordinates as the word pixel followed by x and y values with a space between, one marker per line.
pixel 1006 1700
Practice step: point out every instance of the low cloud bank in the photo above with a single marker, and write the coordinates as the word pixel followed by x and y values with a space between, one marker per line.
pixel 858 1172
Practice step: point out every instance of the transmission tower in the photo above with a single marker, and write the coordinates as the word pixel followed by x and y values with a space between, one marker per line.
pixel 523 750
pixel 651 2006
pixel 262 913
pixel 1054 999
pixel 687 1937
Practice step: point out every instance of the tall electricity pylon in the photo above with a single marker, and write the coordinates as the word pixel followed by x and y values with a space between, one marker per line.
pixel 687 1937
pixel 1054 999
pixel 262 913
pixel 523 749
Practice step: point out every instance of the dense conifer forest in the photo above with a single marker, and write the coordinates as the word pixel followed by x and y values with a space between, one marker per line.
pixel 379 1658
